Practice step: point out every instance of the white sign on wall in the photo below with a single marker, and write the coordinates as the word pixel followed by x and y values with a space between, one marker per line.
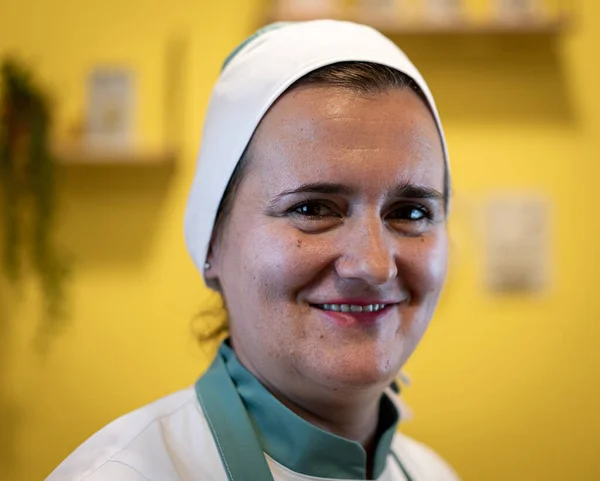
pixel 517 243
pixel 110 109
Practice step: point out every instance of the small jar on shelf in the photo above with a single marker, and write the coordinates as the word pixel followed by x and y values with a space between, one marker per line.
pixel 518 10
pixel 442 11
pixel 391 13
pixel 307 9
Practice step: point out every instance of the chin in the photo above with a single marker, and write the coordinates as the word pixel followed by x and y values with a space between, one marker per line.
pixel 353 373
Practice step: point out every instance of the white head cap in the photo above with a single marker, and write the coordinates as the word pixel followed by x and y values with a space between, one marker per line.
pixel 253 78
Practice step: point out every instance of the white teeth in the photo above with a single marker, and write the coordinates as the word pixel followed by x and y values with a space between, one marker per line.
pixel 352 307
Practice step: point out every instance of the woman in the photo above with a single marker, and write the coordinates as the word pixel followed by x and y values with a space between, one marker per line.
pixel 318 212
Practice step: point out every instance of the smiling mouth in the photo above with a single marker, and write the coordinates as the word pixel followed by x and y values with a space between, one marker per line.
pixel 351 307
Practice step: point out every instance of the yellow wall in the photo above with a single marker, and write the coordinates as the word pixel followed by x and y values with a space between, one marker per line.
pixel 504 388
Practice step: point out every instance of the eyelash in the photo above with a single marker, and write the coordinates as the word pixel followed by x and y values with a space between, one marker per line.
pixel 426 213
pixel 295 211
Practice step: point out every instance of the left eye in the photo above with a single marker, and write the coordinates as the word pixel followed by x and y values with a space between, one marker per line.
pixel 410 213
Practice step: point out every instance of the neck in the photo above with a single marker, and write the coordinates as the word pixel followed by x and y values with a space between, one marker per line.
pixel 349 413
pixel 350 420
pixel 352 417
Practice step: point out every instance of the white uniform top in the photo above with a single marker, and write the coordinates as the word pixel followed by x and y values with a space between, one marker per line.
pixel 171 440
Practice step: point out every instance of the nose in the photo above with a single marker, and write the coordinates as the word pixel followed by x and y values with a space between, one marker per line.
pixel 368 254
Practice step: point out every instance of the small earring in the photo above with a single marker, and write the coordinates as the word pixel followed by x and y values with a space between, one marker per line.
pixel 207 266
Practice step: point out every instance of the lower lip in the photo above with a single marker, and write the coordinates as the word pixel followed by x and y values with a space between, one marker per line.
pixel 353 318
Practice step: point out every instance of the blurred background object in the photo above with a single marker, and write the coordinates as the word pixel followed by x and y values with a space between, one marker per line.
pixel 444 11
pixel 380 11
pixel 504 385
pixel 519 10
pixel 517 256
pixel 110 109
pixel 441 16
pixel 307 9
pixel 27 180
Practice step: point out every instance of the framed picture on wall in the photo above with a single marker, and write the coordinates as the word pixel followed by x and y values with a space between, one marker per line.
pixel 110 109
pixel 517 233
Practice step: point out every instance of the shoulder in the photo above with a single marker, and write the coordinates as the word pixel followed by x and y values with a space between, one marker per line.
pixel 421 461
pixel 139 446
pixel 108 471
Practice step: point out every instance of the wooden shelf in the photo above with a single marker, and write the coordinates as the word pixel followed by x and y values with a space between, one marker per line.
pixel 550 26
pixel 81 155
pixel 391 27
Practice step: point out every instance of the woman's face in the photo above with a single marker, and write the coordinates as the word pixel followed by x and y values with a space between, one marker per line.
pixel 334 254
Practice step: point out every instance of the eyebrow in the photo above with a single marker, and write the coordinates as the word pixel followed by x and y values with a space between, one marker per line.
pixel 412 191
pixel 318 188
pixel 405 191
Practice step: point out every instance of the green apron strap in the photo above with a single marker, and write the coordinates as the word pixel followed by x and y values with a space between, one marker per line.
pixel 240 451
pixel 401 466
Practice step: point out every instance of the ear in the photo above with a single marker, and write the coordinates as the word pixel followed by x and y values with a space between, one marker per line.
pixel 211 273
pixel 210 270
pixel 211 266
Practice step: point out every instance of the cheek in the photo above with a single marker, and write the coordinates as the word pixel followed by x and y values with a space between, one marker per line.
pixel 279 260
pixel 425 264
pixel 424 270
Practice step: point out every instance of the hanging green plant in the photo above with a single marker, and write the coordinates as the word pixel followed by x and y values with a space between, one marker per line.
pixel 27 180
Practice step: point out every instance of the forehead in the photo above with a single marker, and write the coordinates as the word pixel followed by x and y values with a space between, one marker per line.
pixel 330 133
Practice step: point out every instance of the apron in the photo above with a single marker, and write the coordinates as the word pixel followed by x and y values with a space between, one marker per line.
pixel 240 451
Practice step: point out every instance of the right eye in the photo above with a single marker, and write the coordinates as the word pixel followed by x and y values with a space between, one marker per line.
pixel 313 209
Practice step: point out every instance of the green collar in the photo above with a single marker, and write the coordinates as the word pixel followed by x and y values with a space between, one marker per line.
pixel 297 444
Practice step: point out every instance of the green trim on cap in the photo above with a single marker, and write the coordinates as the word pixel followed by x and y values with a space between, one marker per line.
pixel 251 38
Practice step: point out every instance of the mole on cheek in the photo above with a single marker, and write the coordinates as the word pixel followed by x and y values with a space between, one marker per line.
pixel 299 244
